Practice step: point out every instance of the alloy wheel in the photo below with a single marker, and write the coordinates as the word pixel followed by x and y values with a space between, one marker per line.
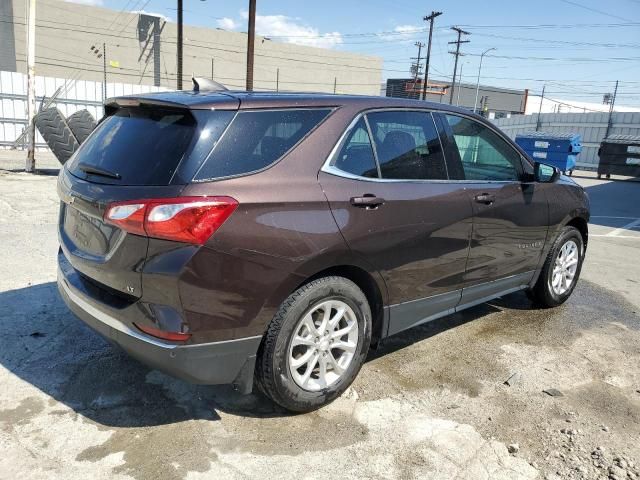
pixel 323 345
pixel 565 268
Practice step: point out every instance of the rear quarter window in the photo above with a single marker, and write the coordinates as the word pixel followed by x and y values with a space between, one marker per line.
pixel 256 139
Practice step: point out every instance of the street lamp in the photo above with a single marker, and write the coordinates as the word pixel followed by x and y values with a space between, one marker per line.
pixel 475 104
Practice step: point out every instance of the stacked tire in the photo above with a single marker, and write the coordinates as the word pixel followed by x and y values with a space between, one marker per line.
pixel 64 136
pixel 81 124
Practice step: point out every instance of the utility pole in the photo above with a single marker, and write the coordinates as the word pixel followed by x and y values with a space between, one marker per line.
pixel 211 68
pixel 538 125
pixel 459 87
pixel 457 54
pixel 104 70
pixel 428 18
pixel 251 43
pixel 31 87
pixel 102 55
pixel 277 79
pixel 335 84
pixel 416 67
pixel 611 105
pixel 179 59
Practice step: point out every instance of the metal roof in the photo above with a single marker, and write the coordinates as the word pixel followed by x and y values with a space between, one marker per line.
pixel 548 136
pixel 626 139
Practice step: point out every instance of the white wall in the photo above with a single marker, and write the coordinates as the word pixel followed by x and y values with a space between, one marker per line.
pixel 559 105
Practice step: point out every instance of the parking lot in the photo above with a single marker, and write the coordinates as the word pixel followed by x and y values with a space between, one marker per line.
pixel 432 402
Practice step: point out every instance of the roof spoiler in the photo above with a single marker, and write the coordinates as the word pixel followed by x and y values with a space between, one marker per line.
pixel 201 84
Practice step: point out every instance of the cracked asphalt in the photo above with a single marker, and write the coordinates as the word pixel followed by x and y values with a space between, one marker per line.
pixel 430 403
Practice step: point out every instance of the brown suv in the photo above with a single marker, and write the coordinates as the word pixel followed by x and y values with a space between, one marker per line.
pixel 224 237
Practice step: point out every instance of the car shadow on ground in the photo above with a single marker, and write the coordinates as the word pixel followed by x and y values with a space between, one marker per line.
pixel 42 343
pixel 47 172
pixel 514 301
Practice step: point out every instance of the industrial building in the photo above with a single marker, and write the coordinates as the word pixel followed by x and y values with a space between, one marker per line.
pixel 493 102
pixel 140 49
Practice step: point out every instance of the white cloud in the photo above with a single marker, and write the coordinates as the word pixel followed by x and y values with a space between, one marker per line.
pixel 402 32
pixel 95 3
pixel 290 30
pixel 227 23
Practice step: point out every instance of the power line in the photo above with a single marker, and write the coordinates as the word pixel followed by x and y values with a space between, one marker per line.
pixel 262 81
pixel 569 59
pixel 545 26
pixel 133 16
pixel 595 10
pixel 560 42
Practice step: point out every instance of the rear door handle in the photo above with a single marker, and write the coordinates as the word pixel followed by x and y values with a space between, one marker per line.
pixel 368 201
pixel 486 198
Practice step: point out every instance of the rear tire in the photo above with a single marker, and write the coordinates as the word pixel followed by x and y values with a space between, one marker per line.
pixel 56 132
pixel 303 362
pixel 81 124
pixel 560 274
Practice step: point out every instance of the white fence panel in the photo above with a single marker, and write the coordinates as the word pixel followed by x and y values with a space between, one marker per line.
pixel 79 94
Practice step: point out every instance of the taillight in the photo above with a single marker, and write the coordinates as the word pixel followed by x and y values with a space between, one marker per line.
pixel 156 332
pixel 128 216
pixel 182 219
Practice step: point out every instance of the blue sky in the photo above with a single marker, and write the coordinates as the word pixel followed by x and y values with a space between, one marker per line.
pixel 577 47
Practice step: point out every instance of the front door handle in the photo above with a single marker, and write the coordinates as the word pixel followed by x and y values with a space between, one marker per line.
pixel 368 201
pixel 485 198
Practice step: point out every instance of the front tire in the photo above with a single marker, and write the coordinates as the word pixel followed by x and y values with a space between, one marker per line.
pixel 561 269
pixel 315 345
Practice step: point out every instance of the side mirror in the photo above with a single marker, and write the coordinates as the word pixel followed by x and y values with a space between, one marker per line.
pixel 546 173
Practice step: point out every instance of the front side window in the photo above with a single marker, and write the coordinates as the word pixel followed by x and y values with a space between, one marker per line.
pixel 356 155
pixel 256 139
pixel 483 153
pixel 407 145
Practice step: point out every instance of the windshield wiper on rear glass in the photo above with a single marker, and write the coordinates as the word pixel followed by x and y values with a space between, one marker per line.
pixel 98 171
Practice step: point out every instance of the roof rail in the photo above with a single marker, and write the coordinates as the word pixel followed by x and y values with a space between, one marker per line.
pixel 201 84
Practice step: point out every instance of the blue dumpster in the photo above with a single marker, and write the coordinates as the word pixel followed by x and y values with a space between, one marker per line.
pixel 557 149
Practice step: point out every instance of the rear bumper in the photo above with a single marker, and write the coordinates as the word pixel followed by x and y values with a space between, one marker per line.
pixel 228 362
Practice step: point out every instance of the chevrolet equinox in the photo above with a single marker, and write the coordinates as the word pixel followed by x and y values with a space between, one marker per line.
pixel 271 239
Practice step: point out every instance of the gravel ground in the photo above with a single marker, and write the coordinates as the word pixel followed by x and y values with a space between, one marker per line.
pixel 432 402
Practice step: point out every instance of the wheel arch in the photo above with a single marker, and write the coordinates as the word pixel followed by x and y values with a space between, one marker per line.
pixel 582 226
pixel 369 286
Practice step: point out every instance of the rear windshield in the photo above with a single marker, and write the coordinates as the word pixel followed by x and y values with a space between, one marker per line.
pixel 140 145
pixel 257 139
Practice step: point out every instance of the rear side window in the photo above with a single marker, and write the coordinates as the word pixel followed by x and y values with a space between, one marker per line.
pixel 143 146
pixel 407 145
pixel 356 156
pixel 257 139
